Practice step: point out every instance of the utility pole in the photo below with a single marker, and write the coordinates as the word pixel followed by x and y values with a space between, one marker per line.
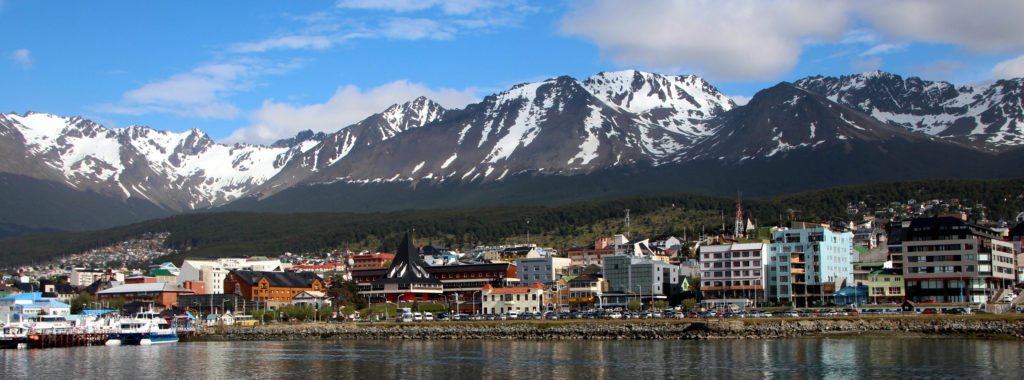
pixel 627 222
pixel 738 227
pixel 527 231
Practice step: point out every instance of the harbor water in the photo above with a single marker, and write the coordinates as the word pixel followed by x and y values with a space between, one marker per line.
pixel 803 358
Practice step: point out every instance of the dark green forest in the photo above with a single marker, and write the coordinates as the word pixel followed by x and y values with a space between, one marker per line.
pixel 248 234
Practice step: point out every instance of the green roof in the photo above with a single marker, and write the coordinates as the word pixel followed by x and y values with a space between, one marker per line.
pixel 860 249
pixel 160 272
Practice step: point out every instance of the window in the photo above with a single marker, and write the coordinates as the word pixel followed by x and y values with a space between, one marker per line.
pixel 895 290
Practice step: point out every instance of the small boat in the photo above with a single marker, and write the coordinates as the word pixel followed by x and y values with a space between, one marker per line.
pixel 143 329
pixel 14 336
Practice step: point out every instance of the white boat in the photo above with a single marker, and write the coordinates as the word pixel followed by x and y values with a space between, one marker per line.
pixel 48 324
pixel 143 329
pixel 14 336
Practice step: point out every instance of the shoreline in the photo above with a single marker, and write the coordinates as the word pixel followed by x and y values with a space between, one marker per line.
pixel 1009 327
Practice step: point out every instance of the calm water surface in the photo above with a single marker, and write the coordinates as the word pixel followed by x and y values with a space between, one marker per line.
pixel 812 358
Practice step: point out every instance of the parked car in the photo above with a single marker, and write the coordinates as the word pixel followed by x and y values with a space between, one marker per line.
pixel 428 317
pixel 931 310
pixel 615 315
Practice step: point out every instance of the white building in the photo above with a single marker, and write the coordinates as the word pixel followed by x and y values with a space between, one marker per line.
pixel 734 271
pixel 80 277
pixel 212 273
pixel 516 299
pixel 542 269
pixel 18 307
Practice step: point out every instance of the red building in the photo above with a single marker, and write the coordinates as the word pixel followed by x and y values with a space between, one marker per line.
pixel 371 261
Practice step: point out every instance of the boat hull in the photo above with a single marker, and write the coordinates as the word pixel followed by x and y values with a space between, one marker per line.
pixel 142 339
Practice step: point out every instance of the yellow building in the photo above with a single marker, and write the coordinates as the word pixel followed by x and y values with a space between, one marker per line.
pixel 885 286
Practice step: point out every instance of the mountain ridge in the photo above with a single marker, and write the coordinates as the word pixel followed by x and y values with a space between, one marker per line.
pixel 603 132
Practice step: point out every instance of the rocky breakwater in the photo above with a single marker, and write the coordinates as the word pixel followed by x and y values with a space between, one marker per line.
pixel 624 330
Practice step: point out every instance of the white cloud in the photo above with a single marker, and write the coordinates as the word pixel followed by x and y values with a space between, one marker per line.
pixel 285 42
pixel 761 39
pixel 944 69
pixel 456 7
pixel 978 25
pixel 884 48
pixel 866 64
pixel 1009 69
pixel 23 57
pixel 726 39
pixel 202 92
pixel 416 29
pixel 740 100
pixel 348 105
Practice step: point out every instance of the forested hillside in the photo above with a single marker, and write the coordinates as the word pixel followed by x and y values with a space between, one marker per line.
pixel 234 234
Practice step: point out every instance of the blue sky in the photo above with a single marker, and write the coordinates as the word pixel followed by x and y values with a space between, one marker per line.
pixel 256 71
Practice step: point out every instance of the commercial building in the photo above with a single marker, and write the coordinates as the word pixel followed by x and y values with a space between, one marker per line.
pixel 645 277
pixel 946 259
pixel 885 286
pixel 544 270
pixel 160 293
pixel 82 277
pixel 808 264
pixel 371 261
pixel 19 307
pixel 591 255
pixel 515 299
pixel 407 278
pixel 212 273
pixel 273 288
pixel 585 292
pixel 734 271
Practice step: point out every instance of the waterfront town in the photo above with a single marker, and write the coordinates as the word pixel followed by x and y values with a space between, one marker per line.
pixel 942 263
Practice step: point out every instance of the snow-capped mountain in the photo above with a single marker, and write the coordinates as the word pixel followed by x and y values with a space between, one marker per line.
pixel 991 117
pixel 176 171
pixel 786 118
pixel 623 132
pixel 334 147
pixel 557 126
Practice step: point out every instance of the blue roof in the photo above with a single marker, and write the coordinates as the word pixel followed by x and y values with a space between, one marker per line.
pixel 44 303
pixel 33 296
pixel 96 312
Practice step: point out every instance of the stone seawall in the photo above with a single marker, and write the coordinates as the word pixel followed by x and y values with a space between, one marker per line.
pixel 616 330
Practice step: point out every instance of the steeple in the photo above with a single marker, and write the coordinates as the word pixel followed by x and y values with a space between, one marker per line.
pixel 408 267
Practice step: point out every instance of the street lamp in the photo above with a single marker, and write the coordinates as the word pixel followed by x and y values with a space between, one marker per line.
pixel 473 299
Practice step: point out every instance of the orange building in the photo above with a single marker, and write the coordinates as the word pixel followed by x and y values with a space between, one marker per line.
pixel 275 288
pixel 372 261
pixel 592 255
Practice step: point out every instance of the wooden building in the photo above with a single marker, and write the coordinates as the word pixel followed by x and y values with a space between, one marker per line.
pixel 274 288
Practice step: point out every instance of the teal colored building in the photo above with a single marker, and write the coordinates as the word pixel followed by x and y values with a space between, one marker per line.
pixel 808 265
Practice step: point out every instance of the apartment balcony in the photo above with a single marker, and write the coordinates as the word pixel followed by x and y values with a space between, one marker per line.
pixel 798 270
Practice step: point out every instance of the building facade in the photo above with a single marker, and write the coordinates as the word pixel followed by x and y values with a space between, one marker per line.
pixel 515 299
pixel 212 273
pixel 591 255
pixel 807 265
pixel 544 270
pixel 946 259
pixel 642 276
pixel 371 261
pixel 160 293
pixel 272 288
pixel 734 271
pixel 885 286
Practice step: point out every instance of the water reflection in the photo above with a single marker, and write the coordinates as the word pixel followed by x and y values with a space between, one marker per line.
pixel 832 358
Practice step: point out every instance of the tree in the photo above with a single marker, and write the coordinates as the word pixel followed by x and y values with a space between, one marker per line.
pixel 81 302
pixel 660 305
pixel 689 303
pixel 633 305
